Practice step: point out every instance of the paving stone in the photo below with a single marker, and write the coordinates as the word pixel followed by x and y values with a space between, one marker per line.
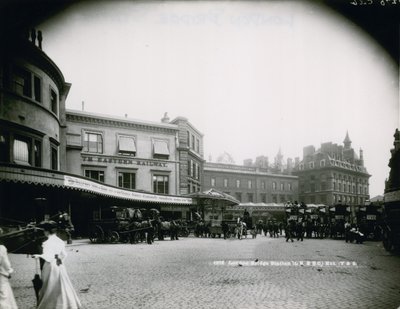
pixel 182 274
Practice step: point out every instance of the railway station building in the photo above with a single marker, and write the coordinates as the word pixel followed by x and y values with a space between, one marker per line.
pixel 333 174
pixel 250 184
pixel 55 160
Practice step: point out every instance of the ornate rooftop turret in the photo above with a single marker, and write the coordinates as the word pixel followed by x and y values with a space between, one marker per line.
pixel 347 141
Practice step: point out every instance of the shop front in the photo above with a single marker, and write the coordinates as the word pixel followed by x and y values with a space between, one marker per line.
pixel 32 194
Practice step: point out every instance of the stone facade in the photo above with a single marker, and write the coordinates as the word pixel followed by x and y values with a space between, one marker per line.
pixel 191 156
pixel 250 184
pixel 123 152
pixel 332 174
pixel 32 105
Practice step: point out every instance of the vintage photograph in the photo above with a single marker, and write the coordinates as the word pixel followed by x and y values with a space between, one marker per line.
pixel 199 154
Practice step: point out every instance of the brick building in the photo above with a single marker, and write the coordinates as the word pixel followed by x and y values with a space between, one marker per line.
pixel 250 184
pixel 332 174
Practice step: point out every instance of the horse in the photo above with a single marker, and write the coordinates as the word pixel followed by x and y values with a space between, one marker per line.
pixel 241 229
pixel 170 228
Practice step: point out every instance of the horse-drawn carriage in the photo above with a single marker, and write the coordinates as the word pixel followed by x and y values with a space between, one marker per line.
pixel 117 224
pixel 27 238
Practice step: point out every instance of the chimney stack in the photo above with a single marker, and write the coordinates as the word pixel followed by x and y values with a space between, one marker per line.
pixel 165 119
pixel 33 36
pixel 40 39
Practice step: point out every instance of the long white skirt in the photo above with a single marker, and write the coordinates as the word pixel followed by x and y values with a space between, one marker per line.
pixel 7 300
pixel 57 291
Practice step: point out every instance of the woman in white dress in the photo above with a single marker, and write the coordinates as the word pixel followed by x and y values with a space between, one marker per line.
pixel 57 291
pixel 7 300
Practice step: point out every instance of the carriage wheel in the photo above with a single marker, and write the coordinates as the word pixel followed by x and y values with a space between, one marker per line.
pixel 114 237
pixel 96 234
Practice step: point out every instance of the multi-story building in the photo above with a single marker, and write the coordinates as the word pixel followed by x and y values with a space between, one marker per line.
pixel 332 174
pixel 250 184
pixel 32 126
pixel 190 155
pixel 122 152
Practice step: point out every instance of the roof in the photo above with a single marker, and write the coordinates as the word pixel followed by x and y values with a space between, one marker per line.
pixel 120 119
pixel 215 195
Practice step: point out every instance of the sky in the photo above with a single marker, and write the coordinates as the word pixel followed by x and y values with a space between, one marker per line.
pixel 253 77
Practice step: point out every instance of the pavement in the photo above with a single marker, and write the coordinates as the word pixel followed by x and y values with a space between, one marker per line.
pixel 216 273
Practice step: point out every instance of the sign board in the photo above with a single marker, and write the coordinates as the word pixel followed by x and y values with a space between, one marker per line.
pixel 125 161
pixel 91 186
pixel 371 217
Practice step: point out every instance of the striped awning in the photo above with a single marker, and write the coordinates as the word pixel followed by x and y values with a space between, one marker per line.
pixel 126 144
pixel 161 148
pixel 43 177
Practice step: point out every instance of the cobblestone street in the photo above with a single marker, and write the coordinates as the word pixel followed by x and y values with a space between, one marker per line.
pixel 205 273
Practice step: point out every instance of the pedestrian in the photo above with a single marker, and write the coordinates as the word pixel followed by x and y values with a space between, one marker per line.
pixel 57 291
pixel 7 300
pixel 300 231
pixel 288 231
pixel 347 227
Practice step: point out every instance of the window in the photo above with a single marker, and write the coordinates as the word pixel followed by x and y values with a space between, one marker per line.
pixel 191 168
pixel 37 148
pixel 274 198
pixel 274 186
pixel 282 187
pixel 340 187
pixel 249 184
pixel 225 182
pixel 54 158
pixel 93 142
pixel 311 165
pixel 37 87
pixel 4 148
pixel 323 186
pixel 193 141
pixel 21 150
pixel 188 139
pixel 237 183
pixel 96 175
pixel 312 187
pixel 160 150
pixel 322 163
pixel 334 186
pixel 160 184
pixel 212 182
pixel 263 198
pixel 127 180
pixel 126 145
pixel 198 171
pixel 262 184
pixel 197 145
pixel 53 101
pixel 289 186
pixel 250 197
pixel 238 196
pixel 23 82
